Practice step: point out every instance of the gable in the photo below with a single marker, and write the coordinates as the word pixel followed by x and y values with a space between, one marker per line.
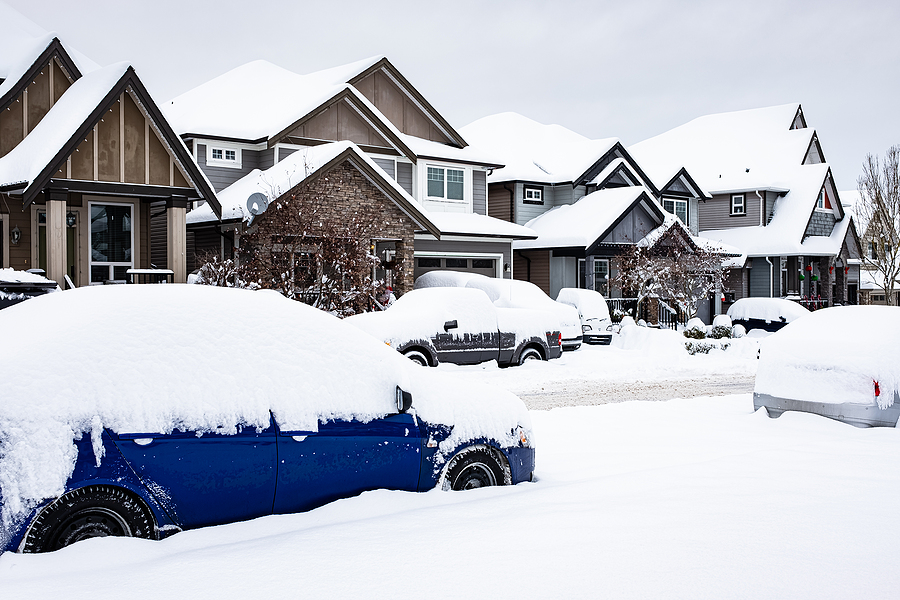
pixel 621 176
pixel 22 109
pixel 799 121
pixel 814 155
pixel 338 122
pixel 633 226
pixel 389 91
pixel 123 146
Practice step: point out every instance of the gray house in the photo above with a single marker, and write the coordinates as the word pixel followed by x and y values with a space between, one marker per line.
pixel 772 196
pixel 258 114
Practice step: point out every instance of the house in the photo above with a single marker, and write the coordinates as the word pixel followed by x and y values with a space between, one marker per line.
pixel 339 184
pixel 877 252
pixel 588 200
pixel 772 196
pixel 259 114
pixel 86 160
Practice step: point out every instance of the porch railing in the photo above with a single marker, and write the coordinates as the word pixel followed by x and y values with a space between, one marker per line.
pixel 668 316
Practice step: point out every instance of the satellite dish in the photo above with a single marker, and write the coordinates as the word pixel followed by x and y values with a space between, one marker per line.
pixel 257 203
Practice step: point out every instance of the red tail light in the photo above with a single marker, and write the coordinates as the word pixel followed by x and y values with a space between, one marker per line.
pixel 877 389
pixel 559 339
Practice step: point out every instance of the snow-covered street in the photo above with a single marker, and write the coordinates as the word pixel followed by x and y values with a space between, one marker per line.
pixel 686 498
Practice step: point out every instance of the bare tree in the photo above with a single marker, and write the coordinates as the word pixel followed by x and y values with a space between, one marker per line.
pixel 879 210
pixel 673 267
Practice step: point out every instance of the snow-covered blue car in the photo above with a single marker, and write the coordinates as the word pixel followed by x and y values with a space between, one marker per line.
pixel 145 410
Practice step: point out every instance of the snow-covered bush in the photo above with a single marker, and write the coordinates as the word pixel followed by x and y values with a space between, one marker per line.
pixel 695 329
pixel 738 331
pixel 703 346
pixel 719 331
pixel 627 320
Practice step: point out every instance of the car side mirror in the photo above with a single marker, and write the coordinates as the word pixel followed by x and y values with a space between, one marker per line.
pixel 404 400
pixel 450 325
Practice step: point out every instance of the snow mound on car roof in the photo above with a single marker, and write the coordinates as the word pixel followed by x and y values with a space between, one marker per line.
pixel 766 309
pixel 156 358
pixel 834 355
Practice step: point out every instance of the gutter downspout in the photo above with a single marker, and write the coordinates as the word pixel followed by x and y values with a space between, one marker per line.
pixel 762 223
pixel 771 275
pixel 762 210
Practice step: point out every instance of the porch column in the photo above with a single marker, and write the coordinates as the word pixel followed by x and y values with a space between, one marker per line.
pixel 176 237
pixel 56 236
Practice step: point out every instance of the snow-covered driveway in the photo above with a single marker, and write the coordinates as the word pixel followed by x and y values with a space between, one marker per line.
pixel 691 498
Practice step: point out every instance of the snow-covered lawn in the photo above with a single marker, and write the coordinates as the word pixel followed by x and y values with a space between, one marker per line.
pixel 689 498
pixel 686 498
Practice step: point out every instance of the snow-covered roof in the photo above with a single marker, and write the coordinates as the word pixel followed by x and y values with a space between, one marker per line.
pixel 710 245
pixel 26 161
pixel 470 154
pixel 743 150
pixel 475 225
pixel 285 175
pixel 532 151
pixel 584 222
pixel 21 42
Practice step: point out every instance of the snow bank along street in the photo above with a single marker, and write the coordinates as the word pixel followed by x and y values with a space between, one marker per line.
pixel 690 498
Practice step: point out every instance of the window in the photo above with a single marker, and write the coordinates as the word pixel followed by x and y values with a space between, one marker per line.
pixel 429 263
pixel 457 263
pixel 737 205
pixel 221 156
pixel 111 242
pixel 601 275
pixel 533 194
pixel 446 184
pixel 482 263
pixel 873 251
pixel 820 203
pixel 679 208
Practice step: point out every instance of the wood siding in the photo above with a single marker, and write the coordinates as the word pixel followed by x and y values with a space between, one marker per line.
pixel 636 224
pixel 500 201
pixel 340 122
pixel 405 176
pixel 388 165
pixel 396 105
pixel 716 213
pixel 31 106
pixel 533 266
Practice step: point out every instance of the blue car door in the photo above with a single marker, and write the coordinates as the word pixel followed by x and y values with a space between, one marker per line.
pixel 206 479
pixel 344 458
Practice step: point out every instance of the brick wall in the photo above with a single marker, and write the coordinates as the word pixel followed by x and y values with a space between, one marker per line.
pixel 342 193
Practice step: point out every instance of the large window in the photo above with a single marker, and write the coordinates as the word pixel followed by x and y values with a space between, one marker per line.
pixel 737 205
pixel 445 183
pixel 601 275
pixel 111 242
pixel 679 208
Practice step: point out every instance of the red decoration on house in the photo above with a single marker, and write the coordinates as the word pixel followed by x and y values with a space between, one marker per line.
pixel 831 269
pixel 809 267
pixel 846 270
pixel 877 389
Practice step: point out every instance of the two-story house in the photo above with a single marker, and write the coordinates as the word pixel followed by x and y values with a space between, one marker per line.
pixel 257 115
pixel 86 160
pixel 772 196
pixel 588 200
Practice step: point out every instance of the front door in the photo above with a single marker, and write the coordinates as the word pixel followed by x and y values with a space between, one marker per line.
pixel 71 244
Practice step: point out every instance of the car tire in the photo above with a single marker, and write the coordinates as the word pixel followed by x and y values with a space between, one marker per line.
pixel 417 357
pixel 530 353
pixel 98 511
pixel 474 468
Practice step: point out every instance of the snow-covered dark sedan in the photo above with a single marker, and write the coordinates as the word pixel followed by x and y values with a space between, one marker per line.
pixel 462 326
pixel 148 409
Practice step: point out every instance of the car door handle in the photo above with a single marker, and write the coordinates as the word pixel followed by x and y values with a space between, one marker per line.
pixel 298 438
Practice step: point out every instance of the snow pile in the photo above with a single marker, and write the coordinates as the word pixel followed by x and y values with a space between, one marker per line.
pixel 649 340
pixel 13 276
pixel 444 279
pixel 834 356
pixel 766 309
pixel 512 293
pixel 154 359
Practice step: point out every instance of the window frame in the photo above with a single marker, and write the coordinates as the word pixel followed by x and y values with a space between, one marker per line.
pixel 111 265
pixel 445 169
pixel 675 202
pixel 533 188
pixel 734 206
pixel 224 149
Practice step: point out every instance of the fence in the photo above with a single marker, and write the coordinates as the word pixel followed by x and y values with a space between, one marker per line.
pixel 666 316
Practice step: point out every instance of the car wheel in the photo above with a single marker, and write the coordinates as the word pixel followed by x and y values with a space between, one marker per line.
pixel 530 354
pixel 417 357
pixel 99 511
pixel 474 468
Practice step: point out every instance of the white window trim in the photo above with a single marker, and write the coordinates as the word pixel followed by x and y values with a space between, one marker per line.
pixel 222 162
pixel 533 188
pixel 497 258
pixel 675 202
pixel 134 227
pixel 467 183
pixel 743 210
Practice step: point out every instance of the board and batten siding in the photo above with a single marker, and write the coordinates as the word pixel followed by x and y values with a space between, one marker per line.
pixel 716 213
pixel 479 192
pixel 636 224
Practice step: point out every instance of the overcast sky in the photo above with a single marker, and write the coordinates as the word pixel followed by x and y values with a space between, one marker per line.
pixel 626 69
